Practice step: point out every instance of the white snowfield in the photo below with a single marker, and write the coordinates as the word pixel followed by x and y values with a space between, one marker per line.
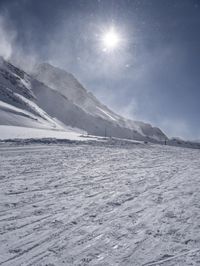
pixel 99 204
pixel 21 133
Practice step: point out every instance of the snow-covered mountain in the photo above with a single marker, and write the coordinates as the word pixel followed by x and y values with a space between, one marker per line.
pixel 96 118
pixel 52 98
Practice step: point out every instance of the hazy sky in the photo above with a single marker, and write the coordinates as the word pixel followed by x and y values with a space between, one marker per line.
pixel 154 76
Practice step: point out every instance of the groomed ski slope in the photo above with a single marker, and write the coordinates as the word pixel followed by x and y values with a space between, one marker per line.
pixel 98 204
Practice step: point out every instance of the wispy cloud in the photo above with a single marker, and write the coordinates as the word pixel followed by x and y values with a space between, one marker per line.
pixel 7 38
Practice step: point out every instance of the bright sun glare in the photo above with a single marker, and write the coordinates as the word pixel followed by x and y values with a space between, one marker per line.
pixel 111 40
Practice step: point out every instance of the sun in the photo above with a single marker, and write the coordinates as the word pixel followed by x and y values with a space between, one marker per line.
pixel 110 40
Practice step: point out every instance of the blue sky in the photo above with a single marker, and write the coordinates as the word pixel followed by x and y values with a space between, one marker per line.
pixel 154 76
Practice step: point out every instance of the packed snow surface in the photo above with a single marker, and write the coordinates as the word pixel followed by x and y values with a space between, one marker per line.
pixel 14 132
pixel 99 204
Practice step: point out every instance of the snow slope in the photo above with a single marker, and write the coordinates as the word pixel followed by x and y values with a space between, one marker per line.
pixel 99 205
pixel 21 133
pixel 19 106
pixel 17 100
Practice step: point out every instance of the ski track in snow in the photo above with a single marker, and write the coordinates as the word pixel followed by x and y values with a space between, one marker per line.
pixel 99 205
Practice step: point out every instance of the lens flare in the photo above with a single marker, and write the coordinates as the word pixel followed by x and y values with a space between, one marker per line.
pixel 110 40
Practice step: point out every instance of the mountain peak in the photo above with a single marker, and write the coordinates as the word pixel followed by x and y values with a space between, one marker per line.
pixel 46 68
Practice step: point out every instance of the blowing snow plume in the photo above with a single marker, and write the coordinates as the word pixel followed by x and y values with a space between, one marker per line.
pixel 7 36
